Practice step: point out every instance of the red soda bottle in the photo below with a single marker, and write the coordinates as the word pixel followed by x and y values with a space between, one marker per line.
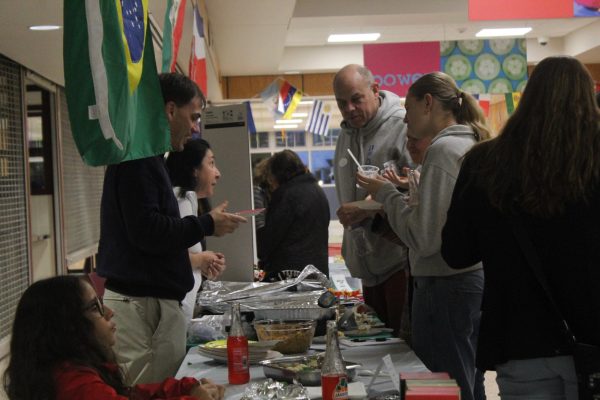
pixel 334 379
pixel 237 350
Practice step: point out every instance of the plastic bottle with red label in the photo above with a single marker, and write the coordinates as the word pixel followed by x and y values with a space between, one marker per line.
pixel 237 350
pixel 334 378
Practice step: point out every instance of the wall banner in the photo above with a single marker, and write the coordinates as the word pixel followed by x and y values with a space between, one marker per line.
pixel 493 10
pixel 397 65
pixel 486 66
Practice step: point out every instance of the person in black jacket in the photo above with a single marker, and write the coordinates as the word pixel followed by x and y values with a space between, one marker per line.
pixel 543 171
pixel 296 228
pixel 143 249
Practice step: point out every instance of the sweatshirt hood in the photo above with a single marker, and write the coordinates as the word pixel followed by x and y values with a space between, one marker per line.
pixel 386 109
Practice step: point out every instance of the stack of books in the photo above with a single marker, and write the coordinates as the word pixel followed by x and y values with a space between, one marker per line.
pixel 428 386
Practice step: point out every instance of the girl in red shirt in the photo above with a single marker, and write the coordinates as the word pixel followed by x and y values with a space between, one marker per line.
pixel 61 349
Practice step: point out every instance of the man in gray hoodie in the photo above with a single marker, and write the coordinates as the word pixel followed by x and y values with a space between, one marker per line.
pixel 373 129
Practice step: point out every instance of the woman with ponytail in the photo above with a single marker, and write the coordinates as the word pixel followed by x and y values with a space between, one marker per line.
pixel 446 302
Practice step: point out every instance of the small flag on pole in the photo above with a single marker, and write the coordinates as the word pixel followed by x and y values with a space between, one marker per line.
pixel 281 98
pixel 318 123
pixel 198 57
pixel 173 27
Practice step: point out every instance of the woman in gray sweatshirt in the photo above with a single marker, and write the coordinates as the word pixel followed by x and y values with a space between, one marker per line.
pixel 446 302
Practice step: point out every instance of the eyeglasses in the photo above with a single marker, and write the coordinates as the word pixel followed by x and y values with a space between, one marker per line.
pixel 197 118
pixel 95 305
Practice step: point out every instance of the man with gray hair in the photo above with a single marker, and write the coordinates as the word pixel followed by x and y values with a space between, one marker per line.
pixel 373 129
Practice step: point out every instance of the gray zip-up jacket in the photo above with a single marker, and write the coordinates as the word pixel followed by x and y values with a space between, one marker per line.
pixel 382 139
pixel 420 227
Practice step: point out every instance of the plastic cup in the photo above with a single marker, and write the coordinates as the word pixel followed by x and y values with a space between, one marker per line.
pixel 370 171
pixel 391 166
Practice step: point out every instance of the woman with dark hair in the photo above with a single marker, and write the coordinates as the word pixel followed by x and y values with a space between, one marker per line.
pixel 541 173
pixel 296 228
pixel 194 175
pixel 446 302
pixel 61 349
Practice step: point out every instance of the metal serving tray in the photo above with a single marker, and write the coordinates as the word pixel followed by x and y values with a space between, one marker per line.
pixel 276 369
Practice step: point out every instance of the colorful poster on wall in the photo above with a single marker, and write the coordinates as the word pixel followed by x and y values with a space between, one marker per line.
pixel 486 66
pixel 492 10
pixel 397 65
pixel 586 8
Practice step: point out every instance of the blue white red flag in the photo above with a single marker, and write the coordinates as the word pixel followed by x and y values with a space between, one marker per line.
pixel 198 57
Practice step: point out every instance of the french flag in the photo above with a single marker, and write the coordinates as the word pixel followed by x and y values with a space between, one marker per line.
pixel 198 56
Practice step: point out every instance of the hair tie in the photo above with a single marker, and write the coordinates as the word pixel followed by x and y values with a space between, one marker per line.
pixel 459 96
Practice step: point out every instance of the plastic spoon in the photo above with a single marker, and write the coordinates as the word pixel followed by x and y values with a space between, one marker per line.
pixel 355 160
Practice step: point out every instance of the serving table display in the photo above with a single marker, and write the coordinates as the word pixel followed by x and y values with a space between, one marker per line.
pixel 368 354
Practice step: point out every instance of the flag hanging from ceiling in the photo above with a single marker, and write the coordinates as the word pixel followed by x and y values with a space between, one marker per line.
pixel 318 122
pixel 289 98
pixel 173 28
pixel 512 101
pixel 281 98
pixel 250 118
pixel 113 94
pixel 484 100
pixel 198 56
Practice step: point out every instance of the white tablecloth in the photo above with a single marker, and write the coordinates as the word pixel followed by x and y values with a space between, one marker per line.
pixel 403 357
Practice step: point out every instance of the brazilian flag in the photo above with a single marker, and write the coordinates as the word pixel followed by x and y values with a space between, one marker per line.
pixel 113 94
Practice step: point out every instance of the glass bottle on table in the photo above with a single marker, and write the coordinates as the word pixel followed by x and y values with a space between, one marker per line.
pixel 237 350
pixel 334 378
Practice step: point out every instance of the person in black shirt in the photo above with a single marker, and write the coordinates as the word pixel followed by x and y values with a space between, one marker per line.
pixel 143 246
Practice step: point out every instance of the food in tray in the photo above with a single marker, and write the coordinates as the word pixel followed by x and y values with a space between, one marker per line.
pixel 303 365
pixel 293 336
pixel 304 369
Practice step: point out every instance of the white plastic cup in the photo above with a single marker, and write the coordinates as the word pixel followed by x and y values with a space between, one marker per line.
pixel 370 171
pixel 391 166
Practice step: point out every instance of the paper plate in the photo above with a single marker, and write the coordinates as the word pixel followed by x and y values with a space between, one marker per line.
pixel 250 213
pixel 253 358
pixel 367 204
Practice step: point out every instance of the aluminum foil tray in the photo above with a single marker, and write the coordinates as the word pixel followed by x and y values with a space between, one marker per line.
pixel 279 369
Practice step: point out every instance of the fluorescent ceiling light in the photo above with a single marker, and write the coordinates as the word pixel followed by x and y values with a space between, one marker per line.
pixel 44 27
pixel 353 37
pixel 288 121
pixel 306 102
pixel 503 32
pixel 285 126
pixel 299 115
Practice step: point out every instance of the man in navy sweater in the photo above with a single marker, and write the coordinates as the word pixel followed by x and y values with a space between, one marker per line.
pixel 143 251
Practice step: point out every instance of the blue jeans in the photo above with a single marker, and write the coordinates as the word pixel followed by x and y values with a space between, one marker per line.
pixel 445 325
pixel 548 378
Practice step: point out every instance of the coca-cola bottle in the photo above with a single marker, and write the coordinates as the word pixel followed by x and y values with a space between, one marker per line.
pixel 237 350
pixel 334 379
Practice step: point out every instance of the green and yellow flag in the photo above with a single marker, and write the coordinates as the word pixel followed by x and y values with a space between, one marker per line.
pixel 113 94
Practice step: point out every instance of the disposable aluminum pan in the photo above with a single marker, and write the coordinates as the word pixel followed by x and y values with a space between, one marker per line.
pixel 313 313
pixel 257 296
pixel 279 370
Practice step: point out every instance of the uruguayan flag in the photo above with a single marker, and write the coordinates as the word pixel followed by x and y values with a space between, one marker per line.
pixel 318 123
